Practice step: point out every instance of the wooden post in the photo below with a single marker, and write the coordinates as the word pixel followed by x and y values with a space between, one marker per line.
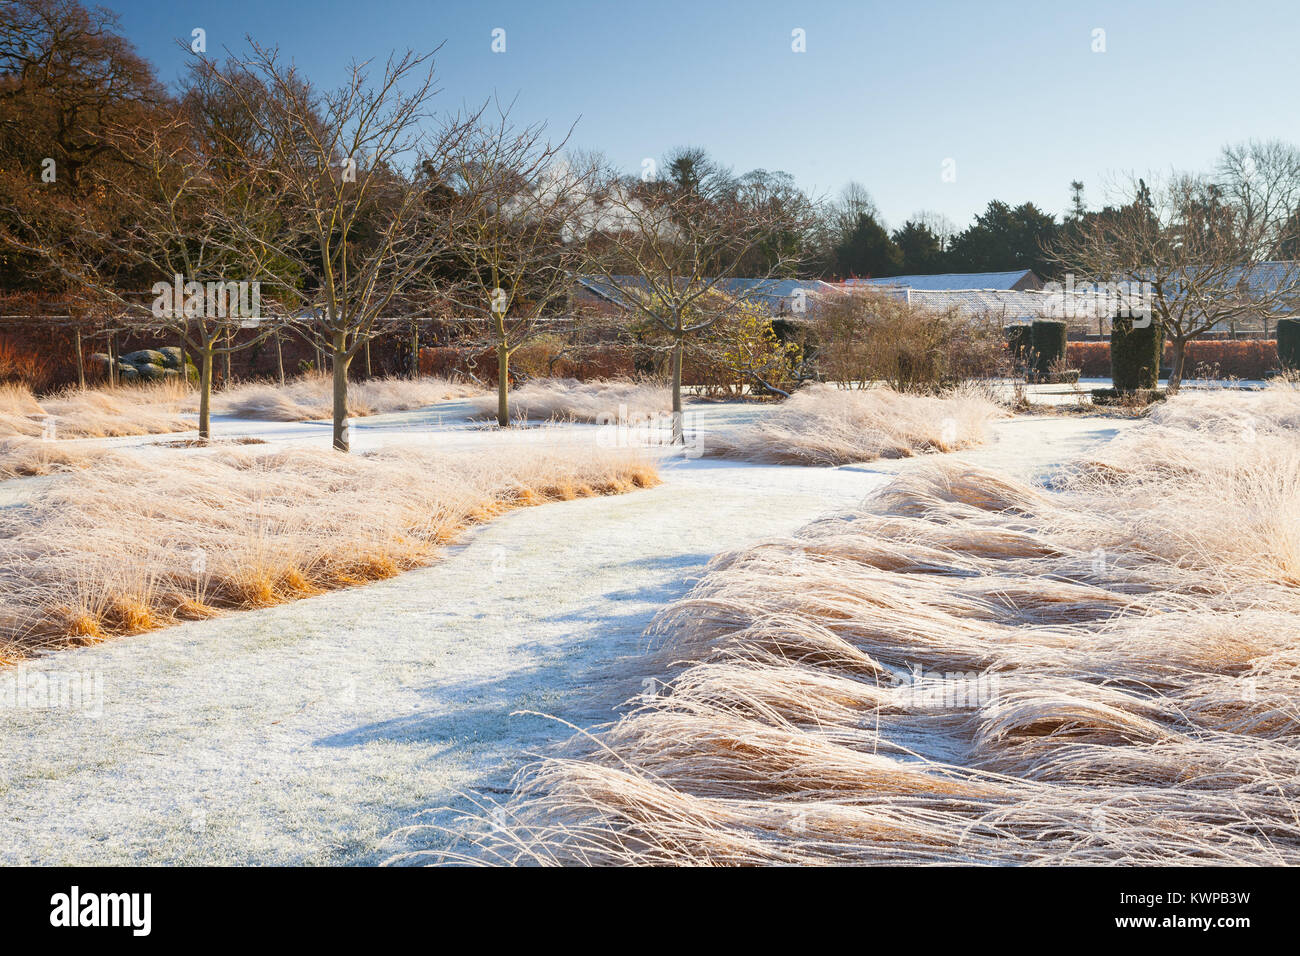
pixel 415 348
pixel 185 363
pixel 369 372
pixel 81 361
pixel 230 341
pixel 279 356
pixel 112 359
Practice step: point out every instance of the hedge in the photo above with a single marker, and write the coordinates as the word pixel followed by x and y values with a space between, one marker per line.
pixel 1047 344
pixel 1135 355
pixel 1288 343
pixel 1248 359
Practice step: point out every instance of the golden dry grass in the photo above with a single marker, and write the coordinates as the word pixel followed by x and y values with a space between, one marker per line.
pixel 824 425
pixel 969 669
pixel 161 407
pixel 108 412
pixel 311 397
pixel 26 457
pixel 566 399
pixel 127 541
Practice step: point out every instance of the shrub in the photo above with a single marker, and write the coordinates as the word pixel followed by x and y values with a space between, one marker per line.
pixel 1018 343
pixel 866 337
pixel 742 353
pixel 1047 342
pixel 1288 343
pixel 24 366
pixel 540 356
pixel 588 363
pixel 1135 355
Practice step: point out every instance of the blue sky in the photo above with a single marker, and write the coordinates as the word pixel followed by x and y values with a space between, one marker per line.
pixel 1012 93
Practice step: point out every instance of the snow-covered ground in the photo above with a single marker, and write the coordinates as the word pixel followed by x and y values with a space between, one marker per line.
pixel 307 733
pixel 1080 393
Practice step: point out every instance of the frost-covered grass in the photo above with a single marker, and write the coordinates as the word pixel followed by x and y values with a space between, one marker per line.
pixel 27 457
pixel 566 399
pixel 169 406
pixel 311 397
pixel 825 425
pixel 145 409
pixel 306 732
pixel 1229 410
pixel 122 542
pixel 974 669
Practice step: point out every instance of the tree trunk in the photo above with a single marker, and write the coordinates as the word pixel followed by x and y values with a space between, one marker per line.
pixel 230 341
pixel 369 370
pixel 341 361
pixel 279 358
pixel 205 393
pixel 503 385
pixel 81 363
pixel 112 360
pixel 679 434
pixel 1179 350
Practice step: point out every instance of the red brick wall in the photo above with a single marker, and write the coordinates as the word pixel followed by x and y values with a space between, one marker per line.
pixel 43 356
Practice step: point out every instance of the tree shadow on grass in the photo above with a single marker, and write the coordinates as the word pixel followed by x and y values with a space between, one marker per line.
pixel 572 681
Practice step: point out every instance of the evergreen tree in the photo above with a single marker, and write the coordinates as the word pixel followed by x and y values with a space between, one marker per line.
pixel 922 250
pixel 1077 206
pixel 868 251
pixel 1004 238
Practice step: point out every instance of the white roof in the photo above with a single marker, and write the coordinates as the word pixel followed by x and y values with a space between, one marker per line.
pixel 950 280
pixel 1006 306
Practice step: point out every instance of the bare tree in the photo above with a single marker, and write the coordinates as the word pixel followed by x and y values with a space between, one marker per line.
pixel 669 252
pixel 68 72
pixel 940 225
pixel 519 203
pixel 853 202
pixel 185 226
pixel 173 229
pixel 354 169
pixel 1190 248
pixel 1261 181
